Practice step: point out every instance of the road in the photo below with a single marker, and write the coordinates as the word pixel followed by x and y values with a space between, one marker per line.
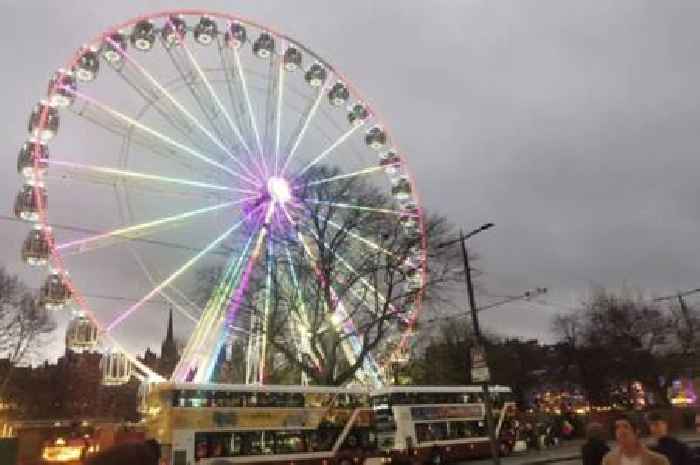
pixel 566 454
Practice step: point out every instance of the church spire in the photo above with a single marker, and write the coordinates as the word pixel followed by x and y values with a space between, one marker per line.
pixel 169 337
pixel 168 351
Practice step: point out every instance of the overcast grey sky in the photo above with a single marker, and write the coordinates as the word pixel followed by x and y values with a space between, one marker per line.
pixel 571 125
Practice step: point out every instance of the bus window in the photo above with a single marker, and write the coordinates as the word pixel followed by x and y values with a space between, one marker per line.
pixel 235 443
pixel 195 399
pixel 362 438
pixel 251 400
pixel 233 399
pixel 257 443
pixel 266 399
pixel 296 400
pixel 212 445
pixel 289 442
pixel 263 443
pixel 218 445
pixel 187 398
pixel 380 402
pixel 458 429
pixel 427 432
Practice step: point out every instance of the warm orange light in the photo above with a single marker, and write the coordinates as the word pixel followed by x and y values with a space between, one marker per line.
pixel 61 453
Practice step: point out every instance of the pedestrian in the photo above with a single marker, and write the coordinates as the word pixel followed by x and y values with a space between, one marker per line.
pixel 630 450
pixel 131 453
pixel 675 451
pixel 595 448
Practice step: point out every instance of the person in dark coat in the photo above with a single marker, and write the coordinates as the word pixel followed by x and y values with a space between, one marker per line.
pixel 595 448
pixel 675 451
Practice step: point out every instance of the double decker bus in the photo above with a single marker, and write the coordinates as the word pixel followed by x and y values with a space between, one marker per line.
pixel 439 424
pixel 244 424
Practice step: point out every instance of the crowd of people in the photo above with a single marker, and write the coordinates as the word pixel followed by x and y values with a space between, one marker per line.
pixel 630 450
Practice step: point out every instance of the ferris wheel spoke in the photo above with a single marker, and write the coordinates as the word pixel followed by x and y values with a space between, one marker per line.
pixel 354 272
pixel 359 207
pixel 163 91
pixel 343 323
pixel 214 312
pixel 278 85
pixel 249 104
pixel 189 76
pixel 358 237
pixel 266 310
pixel 304 125
pixel 122 129
pixel 152 279
pixel 103 172
pixel 164 107
pixel 132 232
pixel 363 172
pixel 342 138
pixel 212 93
pixel 183 148
pixel 237 100
pixel 173 276
pixel 221 314
pixel 299 315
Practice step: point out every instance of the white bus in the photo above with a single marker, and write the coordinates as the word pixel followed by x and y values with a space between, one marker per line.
pixel 445 423
pixel 243 424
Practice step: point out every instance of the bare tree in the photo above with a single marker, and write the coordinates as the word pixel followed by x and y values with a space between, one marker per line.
pixel 615 339
pixel 23 322
pixel 343 285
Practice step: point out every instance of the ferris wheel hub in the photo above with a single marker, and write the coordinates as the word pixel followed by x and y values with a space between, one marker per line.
pixel 279 190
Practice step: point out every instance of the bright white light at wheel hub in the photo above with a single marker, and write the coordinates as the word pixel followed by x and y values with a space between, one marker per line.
pixel 279 190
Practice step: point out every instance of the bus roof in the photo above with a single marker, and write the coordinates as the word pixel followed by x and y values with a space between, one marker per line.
pixel 280 388
pixel 168 386
pixel 438 389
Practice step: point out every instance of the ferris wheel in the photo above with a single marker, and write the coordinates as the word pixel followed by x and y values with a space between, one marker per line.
pixel 185 141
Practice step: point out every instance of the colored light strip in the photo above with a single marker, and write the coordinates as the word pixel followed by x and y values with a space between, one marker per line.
pixel 365 171
pixel 300 136
pixel 366 241
pixel 360 207
pixel 145 176
pixel 144 228
pixel 192 352
pixel 188 150
pixel 266 311
pixel 369 364
pixel 246 95
pixel 278 119
pixel 352 270
pixel 209 87
pixel 302 321
pixel 177 104
pixel 343 137
pixel 173 276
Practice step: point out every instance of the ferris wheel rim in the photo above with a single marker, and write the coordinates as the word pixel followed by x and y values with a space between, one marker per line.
pixel 56 257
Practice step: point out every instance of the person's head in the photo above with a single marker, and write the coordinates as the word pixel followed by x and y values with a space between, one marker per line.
pixel 626 431
pixel 658 426
pixel 594 431
pixel 137 453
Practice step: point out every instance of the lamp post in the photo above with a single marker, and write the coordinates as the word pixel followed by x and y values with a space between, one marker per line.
pixel 484 381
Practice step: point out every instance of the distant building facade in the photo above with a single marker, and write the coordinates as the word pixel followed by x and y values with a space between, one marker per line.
pixel 72 388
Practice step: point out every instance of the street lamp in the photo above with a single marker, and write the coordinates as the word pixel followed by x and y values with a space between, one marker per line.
pixel 462 239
